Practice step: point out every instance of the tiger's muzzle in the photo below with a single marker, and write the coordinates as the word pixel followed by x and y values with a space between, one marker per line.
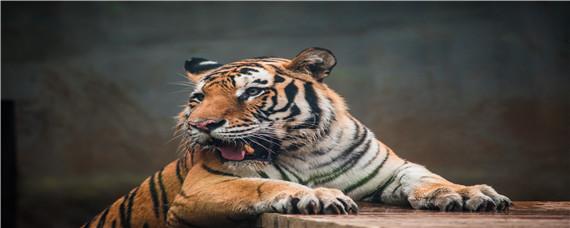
pixel 234 149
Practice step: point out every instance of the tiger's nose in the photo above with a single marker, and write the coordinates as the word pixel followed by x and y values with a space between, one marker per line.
pixel 207 125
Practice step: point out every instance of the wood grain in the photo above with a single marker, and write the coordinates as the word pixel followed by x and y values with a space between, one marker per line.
pixel 522 214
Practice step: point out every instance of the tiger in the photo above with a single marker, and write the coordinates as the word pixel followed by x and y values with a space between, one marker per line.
pixel 267 135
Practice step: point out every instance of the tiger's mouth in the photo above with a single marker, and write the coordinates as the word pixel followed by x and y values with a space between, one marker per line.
pixel 232 151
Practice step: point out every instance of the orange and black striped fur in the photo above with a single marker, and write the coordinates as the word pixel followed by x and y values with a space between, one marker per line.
pixel 268 135
pixel 147 205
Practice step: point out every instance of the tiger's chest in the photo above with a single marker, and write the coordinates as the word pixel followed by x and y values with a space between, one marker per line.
pixel 357 170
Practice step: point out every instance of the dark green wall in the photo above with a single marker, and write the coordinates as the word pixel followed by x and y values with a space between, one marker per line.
pixel 478 92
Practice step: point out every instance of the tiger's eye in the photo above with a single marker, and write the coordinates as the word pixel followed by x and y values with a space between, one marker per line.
pixel 252 91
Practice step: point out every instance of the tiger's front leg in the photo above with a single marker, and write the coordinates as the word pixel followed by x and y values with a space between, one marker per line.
pixel 423 189
pixel 219 200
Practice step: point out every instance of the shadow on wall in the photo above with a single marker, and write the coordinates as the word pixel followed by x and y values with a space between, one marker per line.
pixel 478 92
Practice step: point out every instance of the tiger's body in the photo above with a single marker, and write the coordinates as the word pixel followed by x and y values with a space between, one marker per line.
pixel 267 135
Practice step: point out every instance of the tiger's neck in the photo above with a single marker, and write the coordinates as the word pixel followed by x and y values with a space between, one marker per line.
pixel 346 156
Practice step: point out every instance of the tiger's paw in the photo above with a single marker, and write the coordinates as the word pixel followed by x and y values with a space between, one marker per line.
pixel 462 198
pixel 311 201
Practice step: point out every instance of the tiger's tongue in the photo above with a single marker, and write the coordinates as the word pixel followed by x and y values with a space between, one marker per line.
pixel 232 153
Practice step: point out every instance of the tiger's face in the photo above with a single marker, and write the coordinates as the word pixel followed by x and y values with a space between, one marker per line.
pixel 252 110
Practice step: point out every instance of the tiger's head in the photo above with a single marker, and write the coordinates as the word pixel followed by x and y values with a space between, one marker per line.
pixel 253 110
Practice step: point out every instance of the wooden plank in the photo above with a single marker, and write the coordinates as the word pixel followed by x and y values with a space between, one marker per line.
pixel 522 214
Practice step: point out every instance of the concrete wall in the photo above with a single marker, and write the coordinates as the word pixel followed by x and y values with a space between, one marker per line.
pixel 478 92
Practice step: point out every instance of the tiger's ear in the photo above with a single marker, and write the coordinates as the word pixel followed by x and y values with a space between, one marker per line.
pixel 318 62
pixel 196 67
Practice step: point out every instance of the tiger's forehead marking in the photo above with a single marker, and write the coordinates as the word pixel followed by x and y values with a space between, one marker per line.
pixel 258 76
pixel 239 77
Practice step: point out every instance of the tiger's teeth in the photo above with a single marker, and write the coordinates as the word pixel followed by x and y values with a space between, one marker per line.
pixel 248 149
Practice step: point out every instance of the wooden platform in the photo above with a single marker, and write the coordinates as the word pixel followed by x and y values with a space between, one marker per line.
pixel 522 214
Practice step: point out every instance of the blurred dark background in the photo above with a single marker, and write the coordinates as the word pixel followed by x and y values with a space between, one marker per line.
pixel 477 92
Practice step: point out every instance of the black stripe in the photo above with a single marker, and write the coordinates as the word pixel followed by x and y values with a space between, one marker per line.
pixel 88 223
pixel 346 152
pixel 122 210
pixel 278 79
pixel 299 179
pixel 263 174
pixel 337 138
pixel 375 156
pixel 377 195
pixel 163 193
pixel 259 81
pixel 399 181
pixel 232 81
pixel 131 202
pixel 210 77
pixel 273 100
pixel 396 188
pixel 247 70
pixel 324 132
pixel 326 129
pixel 283 175
pixel 126 216
pixel 154 195
pixel 146 225
pixel 367 178
pixel 103 218
pixel 261 115
pixel 313 101
pixel 113 224
pixel 347 165
pixel 357 127
pixel 290 92
pixel 217 172
pixel 178 175
pixel 295 111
